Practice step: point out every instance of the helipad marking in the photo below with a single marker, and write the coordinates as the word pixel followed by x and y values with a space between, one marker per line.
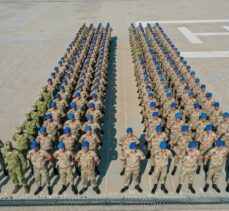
pixel 206 54
pixel 192 38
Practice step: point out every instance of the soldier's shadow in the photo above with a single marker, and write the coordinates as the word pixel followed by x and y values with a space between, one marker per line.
pixel 144 149
pixel 108 150
pixel 3 180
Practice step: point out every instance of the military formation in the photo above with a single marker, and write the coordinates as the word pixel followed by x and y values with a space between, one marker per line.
pixel 62 134
pixel 184 125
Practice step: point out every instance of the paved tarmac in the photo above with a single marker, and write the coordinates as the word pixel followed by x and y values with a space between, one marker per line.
pixel 33 36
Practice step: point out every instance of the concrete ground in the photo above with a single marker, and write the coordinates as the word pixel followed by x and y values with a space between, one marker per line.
pixel 34 34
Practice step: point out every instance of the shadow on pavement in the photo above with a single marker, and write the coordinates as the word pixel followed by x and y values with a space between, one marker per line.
pixel 108 151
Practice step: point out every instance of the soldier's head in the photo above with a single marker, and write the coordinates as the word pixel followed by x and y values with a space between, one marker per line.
pixel 197 81
pixel 42 131
pixel 173 105
pixel 35 146
pixel 49 81
pixel 225 115
pixel 192 145
pixel 193 74
pixel 94 96
pixel 64 81
pixel 92 106
pixel 216 106
pixel 203 117
pixel 129 131
pixel 53 74
pixel 208 128
pixel 169 95
pixel 184 129
pixel 133 146
pixel 88 129
pixel 8 146
pixel 90 118
pixel 152 105
pixel 155 114
pixel 85 146
pixel 150 95
pixel 190 94
pixel 208 96
pixel 203 87
pixel 219 144
pixel 163 145
pixel 67 131
pixel 158 129
pixel 71 117
pixel 58 96
pixel 73 106
pixel 49 117
pixel 178 116
pixel 56 69
pixel 77 95
pixel 196 106
pixel 53 105
pixel 61 146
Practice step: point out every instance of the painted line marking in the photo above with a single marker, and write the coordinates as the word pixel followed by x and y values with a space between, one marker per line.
pixel 212 34
pixel 192 38
pixel 226 28
pixel 206 54
pixel 182 21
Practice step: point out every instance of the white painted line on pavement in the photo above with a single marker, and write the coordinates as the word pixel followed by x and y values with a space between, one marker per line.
pixel 226 28
pixel 189 35
pixel 182 21
pixel 212 34
pixel 206 54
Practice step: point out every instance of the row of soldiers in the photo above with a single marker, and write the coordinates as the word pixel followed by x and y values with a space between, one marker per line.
pixel 68 114
pixel 178 113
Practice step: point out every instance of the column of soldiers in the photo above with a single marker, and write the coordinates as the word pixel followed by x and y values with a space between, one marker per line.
pixel 182 121
pixel 68 115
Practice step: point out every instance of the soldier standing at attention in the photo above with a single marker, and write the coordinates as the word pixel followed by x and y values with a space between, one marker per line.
pixel 217 157
pixel 87 160
pixel 64 158
pixel 189 165
pixel 132 159
pixel 162 157
pixel 17 166
pixel 38 158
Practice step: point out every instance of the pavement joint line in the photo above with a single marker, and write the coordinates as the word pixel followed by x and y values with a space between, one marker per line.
pixel 212 34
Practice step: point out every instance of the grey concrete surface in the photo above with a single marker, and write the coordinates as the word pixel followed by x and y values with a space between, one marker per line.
pixel 34 34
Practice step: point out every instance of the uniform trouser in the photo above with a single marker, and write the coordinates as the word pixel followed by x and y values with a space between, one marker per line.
pixel 2 162
pixel 134 173
pixel 152 158
pixel 176 160
pixel 213 174
pixel 16 176
pixel 190 173
pixel 203 151
pixel 66 174
pixel 159 170
pixel 39 174
pixel 86 175
pixel 123 161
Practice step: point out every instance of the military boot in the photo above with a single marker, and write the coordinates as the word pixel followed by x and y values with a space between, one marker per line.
pixel 138 188
pixel 82 190
pixel 198 169
pixel 64 188
pixel 227 188
pixel 38 190
pixel 178 188
pixel 26 187
pixel 163 188
pixel 151 170
pixel 154 189
pixel 190 187
pixel 16 189
pixel 74 190
pixel 174 170
pixel 214 186
pixel 49 190
pixel 122 172
pixel 206 187
pixel 96 189
pixel 124 189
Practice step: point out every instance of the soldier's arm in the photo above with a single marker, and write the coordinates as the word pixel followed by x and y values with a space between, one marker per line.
pixel 22 160
pixel 48 156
